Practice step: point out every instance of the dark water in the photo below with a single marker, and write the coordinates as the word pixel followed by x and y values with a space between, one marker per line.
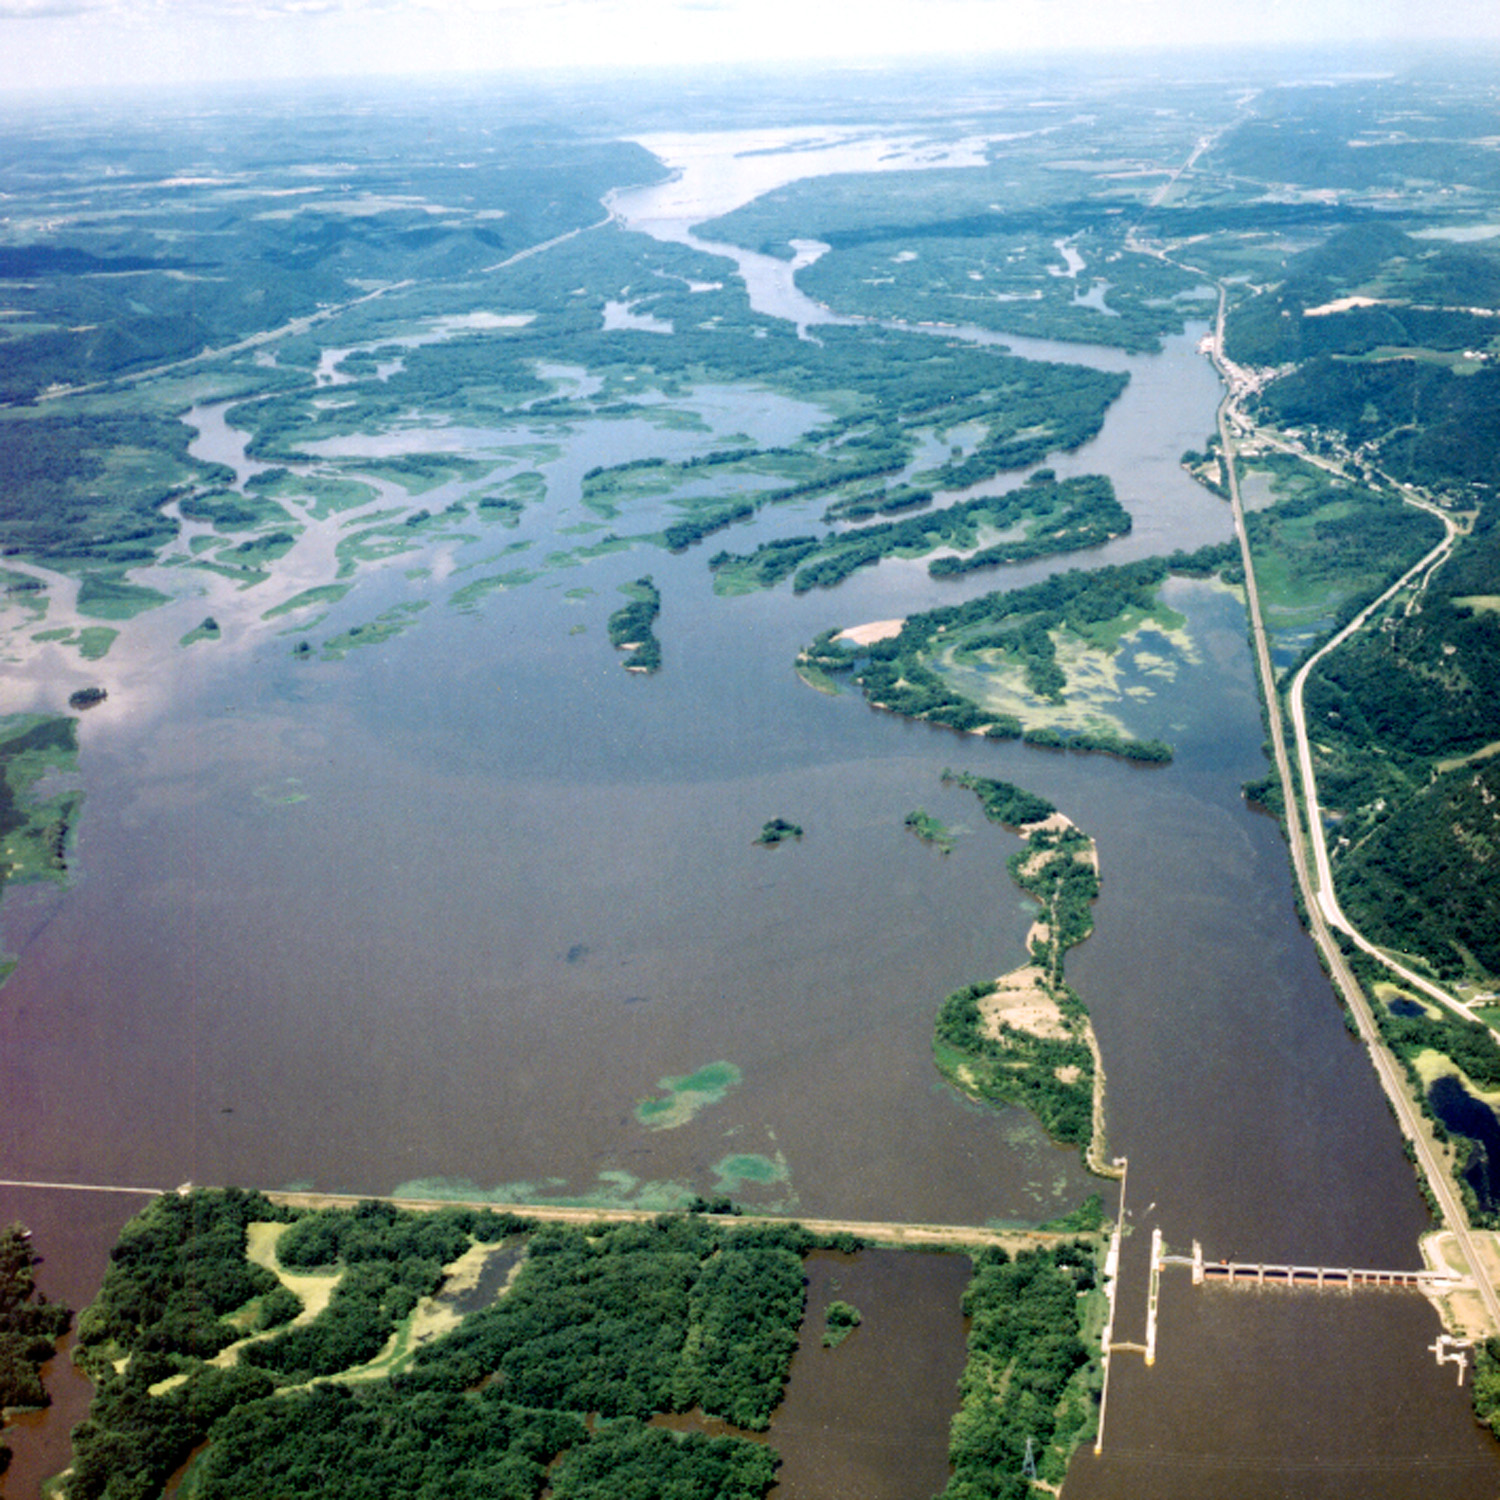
pixel 521 890
pixel 73 1233
pixel 1472 1118
pixel 869 1420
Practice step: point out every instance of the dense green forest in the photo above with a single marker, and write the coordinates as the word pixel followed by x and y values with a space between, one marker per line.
pixel 265 263
pixel 1029 1376
pixel 623 1321
pixel 1384 337
pixel 1402 716
pixel 30 1326
pixel 86 490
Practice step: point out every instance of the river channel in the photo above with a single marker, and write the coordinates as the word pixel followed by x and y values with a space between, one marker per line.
pixel 447 911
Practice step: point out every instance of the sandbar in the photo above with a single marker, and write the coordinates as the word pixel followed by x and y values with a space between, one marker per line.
pixel 867 635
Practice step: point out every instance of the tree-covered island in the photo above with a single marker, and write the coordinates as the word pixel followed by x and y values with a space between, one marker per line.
pixel 632 626
pixel 345 1354
pixel 776 831
pixel 1008 665
pixel 1025 1038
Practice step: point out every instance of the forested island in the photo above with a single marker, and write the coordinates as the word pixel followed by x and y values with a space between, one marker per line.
pixel 979 667
pixel 777 831
pixel 632 627
pixel 1050 516
pixel 345 1353
pixel 1025 1037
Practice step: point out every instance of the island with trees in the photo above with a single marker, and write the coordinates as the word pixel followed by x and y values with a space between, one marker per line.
pixel 1025 1038
pixel 997 665
pixel 776 831
pixel 632 626
pixel 1041 517
pixel 342 1352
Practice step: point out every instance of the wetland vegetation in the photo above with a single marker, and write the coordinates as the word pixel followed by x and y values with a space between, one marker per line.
pixel 1005 665
pixel 36 833
pixel 930 830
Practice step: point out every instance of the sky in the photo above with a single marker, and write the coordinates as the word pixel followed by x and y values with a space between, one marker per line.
pixel 50 44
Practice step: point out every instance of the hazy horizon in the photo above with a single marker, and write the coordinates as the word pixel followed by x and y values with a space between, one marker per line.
pixel 80 45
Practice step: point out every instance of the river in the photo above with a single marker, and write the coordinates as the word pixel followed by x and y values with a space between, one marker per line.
pixel 451 908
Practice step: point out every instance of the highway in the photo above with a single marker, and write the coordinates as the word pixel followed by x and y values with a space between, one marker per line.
pixel 1323 914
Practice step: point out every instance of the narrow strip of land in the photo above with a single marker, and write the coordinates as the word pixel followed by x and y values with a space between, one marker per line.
pixel 88 1187
pixel 880 1232
pixel 904 1236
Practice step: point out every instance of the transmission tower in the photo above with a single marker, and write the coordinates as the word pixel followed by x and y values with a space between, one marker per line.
pixel 1028 1464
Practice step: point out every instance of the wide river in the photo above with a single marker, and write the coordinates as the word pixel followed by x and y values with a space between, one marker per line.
pixel 452 907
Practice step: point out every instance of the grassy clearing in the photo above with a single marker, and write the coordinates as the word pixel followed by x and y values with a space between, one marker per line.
pixel 1484 604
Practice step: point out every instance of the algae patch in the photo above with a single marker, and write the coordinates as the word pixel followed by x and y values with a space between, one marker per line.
pixel 611 1189
pixel 683 1098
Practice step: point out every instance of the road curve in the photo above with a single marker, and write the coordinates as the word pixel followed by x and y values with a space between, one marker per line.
pixel 1389 1072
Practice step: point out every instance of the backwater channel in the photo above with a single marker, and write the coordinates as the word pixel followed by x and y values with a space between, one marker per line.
pixel 451 908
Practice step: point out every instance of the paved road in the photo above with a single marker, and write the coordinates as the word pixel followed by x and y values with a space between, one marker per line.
pixel 1391 1075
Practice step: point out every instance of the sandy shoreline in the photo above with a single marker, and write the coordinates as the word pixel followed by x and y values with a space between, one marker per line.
pixel 868 634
